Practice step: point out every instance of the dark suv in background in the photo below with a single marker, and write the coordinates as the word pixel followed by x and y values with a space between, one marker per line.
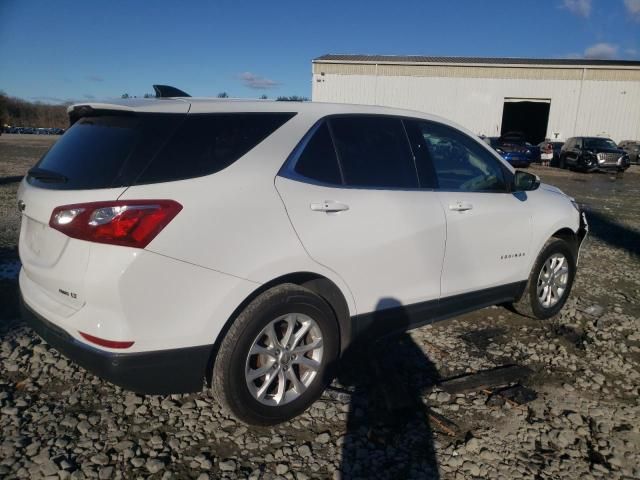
pixel 632 147
pixel 593 153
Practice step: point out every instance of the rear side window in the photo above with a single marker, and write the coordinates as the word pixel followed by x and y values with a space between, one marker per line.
pixel 207 143
pixel 318 160
pixel 373 151
pixel 103 151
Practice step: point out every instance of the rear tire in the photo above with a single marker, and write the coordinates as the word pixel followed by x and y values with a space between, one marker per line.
pixel 548 287
pixel 277 357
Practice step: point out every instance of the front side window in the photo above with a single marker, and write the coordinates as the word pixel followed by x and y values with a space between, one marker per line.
pixel 373 151
pixel 460 163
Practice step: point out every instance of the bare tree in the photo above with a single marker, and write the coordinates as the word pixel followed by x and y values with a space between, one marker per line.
pixel 292 98
pixel 20 113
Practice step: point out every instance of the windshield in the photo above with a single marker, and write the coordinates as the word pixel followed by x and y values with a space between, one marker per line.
pixel 599 143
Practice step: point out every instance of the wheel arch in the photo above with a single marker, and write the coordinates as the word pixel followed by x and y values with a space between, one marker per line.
pixel 570 237
pixel 318 284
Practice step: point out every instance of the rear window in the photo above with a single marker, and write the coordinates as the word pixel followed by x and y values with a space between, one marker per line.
pixel 102 152
pixel 121 150
pixel 205 144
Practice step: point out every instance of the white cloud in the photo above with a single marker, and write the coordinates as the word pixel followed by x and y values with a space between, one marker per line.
pixel 581 8
pixel 633 7
pixel 257 82
pixel 601 51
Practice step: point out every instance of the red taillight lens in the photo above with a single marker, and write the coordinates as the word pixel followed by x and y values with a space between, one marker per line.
pixel 106 343
pixel 132 223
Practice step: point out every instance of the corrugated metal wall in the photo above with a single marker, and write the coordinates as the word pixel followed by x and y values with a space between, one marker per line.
pixel 606 101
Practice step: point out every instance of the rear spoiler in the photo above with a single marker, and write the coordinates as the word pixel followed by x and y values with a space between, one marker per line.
pixel 79 111
pixel 125 106
pixel 165 91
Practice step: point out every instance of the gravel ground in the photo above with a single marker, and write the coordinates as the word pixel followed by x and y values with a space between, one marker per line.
pixel 58 421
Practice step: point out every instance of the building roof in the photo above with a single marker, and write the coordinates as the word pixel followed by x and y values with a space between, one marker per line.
pixel 418 59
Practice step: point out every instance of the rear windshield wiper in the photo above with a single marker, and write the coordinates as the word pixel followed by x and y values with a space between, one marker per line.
pixel 47 175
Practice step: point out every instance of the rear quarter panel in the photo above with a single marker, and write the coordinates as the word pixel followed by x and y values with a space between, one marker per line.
pixel 234 221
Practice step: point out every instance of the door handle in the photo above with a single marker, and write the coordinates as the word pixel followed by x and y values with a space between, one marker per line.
pixel 329 206
pixel 460 207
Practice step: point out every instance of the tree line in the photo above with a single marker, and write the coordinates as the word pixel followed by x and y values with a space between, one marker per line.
pixel 22 113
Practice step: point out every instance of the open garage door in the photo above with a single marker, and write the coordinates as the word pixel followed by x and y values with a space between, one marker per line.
pixel 527 115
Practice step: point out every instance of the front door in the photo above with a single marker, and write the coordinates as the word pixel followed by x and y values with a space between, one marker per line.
pixel 488 228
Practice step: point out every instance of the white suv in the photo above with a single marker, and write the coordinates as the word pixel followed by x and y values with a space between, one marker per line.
pixel 168 243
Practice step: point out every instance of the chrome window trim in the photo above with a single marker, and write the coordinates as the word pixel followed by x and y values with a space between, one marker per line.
pixel 288 168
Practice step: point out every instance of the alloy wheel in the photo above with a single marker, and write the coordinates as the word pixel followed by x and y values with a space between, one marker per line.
pixel 284 359
pixel 553 280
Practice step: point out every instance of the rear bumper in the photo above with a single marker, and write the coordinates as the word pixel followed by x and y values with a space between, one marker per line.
pixel 160 372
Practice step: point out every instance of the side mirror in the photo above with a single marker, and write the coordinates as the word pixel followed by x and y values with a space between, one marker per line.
pixel 525 181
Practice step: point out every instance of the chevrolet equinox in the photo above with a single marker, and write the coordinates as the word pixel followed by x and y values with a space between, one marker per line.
pixel 173 244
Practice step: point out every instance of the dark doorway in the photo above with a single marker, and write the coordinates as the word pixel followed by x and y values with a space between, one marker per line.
pixel 528 117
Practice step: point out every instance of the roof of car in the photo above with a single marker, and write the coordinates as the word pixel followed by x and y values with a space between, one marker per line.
pixel 217 105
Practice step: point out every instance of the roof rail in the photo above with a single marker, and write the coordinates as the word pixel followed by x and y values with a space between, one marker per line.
pixel 164 91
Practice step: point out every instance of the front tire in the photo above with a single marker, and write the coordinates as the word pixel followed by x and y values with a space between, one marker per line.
pixel 277 357
pixel 550 281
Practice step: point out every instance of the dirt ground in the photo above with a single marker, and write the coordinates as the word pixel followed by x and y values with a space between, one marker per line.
pixel 389 414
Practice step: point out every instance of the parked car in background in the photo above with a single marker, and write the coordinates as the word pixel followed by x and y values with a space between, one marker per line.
pixel 514 149
pixel 533 152
pixel 589 154
pixel 632 147
pixel 31 130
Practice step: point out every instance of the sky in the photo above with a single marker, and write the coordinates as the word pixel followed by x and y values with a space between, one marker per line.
pixel 83 50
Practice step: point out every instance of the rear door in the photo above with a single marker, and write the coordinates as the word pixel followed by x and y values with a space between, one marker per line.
pixel 488 228
pixel 95 160
pixel 353 196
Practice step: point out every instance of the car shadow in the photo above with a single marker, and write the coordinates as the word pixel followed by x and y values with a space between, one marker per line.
pixel 388 431
pixel 9 292
pixel 614 233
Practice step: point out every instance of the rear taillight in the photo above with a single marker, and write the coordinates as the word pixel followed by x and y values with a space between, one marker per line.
pixel 106 343
pixel 131 223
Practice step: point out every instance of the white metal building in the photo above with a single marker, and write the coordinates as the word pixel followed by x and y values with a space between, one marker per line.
pixel 545 98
